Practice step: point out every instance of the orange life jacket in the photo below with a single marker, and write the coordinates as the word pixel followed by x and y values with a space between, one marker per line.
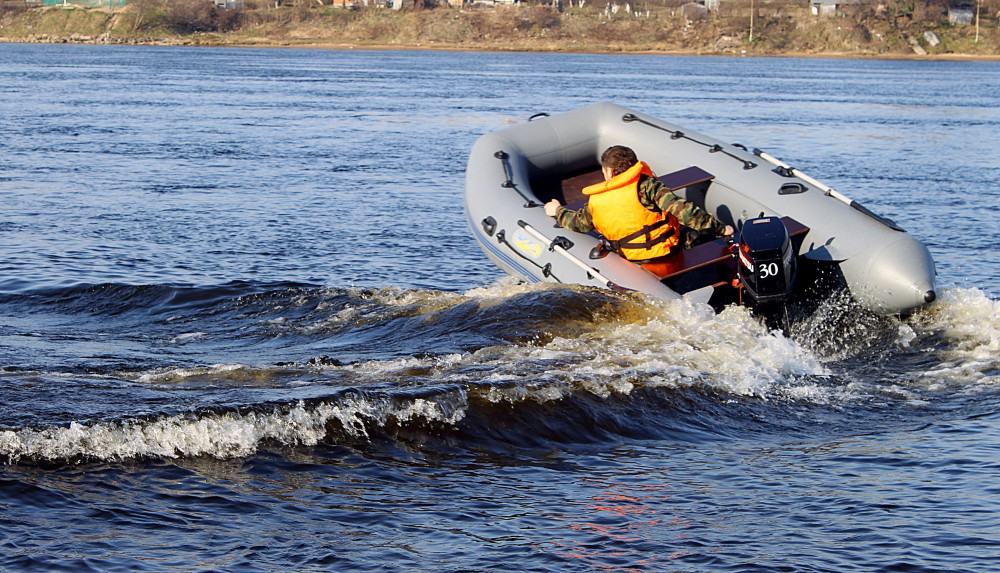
pixel 632 229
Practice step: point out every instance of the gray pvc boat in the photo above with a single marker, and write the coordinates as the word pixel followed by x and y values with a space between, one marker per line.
pixel 824 240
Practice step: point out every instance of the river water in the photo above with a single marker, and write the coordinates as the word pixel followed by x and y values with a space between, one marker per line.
pixel 244 327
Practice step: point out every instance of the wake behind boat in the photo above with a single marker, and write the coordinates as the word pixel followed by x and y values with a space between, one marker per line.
pixel 796 237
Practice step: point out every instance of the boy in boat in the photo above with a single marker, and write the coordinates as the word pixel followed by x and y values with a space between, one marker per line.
pixel 639 216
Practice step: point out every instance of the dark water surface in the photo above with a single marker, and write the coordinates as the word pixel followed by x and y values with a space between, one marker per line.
pixel 244 327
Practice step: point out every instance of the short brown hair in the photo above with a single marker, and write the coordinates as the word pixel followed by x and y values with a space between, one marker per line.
pixel 618 158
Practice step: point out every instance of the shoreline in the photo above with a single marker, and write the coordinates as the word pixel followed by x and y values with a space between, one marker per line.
pixel 635 52
pixel 344 46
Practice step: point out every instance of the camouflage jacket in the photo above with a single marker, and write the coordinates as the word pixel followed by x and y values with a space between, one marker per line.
pixel 656 197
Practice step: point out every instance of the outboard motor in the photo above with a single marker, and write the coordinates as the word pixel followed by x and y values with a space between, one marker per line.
pixel 767 263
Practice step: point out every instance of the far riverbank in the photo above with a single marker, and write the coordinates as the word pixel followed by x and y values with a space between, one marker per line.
pixel 777 31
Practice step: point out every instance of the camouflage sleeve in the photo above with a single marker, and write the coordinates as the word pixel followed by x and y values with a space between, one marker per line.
pixel 579 221
pixel 652 192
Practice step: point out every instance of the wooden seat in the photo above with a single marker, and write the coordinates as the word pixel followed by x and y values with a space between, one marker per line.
pixel 685 178
pixel 712 253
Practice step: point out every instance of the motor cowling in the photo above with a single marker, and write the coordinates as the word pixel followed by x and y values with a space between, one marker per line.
pixel 767 263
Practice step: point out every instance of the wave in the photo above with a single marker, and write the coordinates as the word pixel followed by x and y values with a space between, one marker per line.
pixel 219 434
pixel 491 417
pixel 512 365
pixel 115 298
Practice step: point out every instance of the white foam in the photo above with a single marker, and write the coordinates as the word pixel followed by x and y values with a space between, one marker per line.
pixel 681 344
pixel 508 286
pixel 970 323
pixel 518 393
pixel 221 435
pixel 187 337
pixel 181 374
pixel 371 306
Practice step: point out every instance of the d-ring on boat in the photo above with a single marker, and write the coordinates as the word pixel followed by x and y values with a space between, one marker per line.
pixel 795 236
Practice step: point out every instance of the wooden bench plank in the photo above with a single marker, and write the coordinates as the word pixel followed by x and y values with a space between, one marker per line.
pixel 712 253
pixel 686 177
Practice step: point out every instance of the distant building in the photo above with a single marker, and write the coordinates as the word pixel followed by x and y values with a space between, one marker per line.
pixel 829 7
pixel 960 16
pixel 694 11
pixel 707 5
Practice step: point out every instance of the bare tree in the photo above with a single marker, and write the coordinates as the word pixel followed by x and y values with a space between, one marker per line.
pixel 143 12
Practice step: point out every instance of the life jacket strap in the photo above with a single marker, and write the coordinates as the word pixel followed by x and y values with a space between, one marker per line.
pixel 628 241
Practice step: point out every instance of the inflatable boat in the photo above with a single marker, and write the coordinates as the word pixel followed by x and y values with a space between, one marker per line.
pixel 795 237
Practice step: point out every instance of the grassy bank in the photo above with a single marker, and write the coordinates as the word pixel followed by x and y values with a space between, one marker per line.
pixel 778 28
